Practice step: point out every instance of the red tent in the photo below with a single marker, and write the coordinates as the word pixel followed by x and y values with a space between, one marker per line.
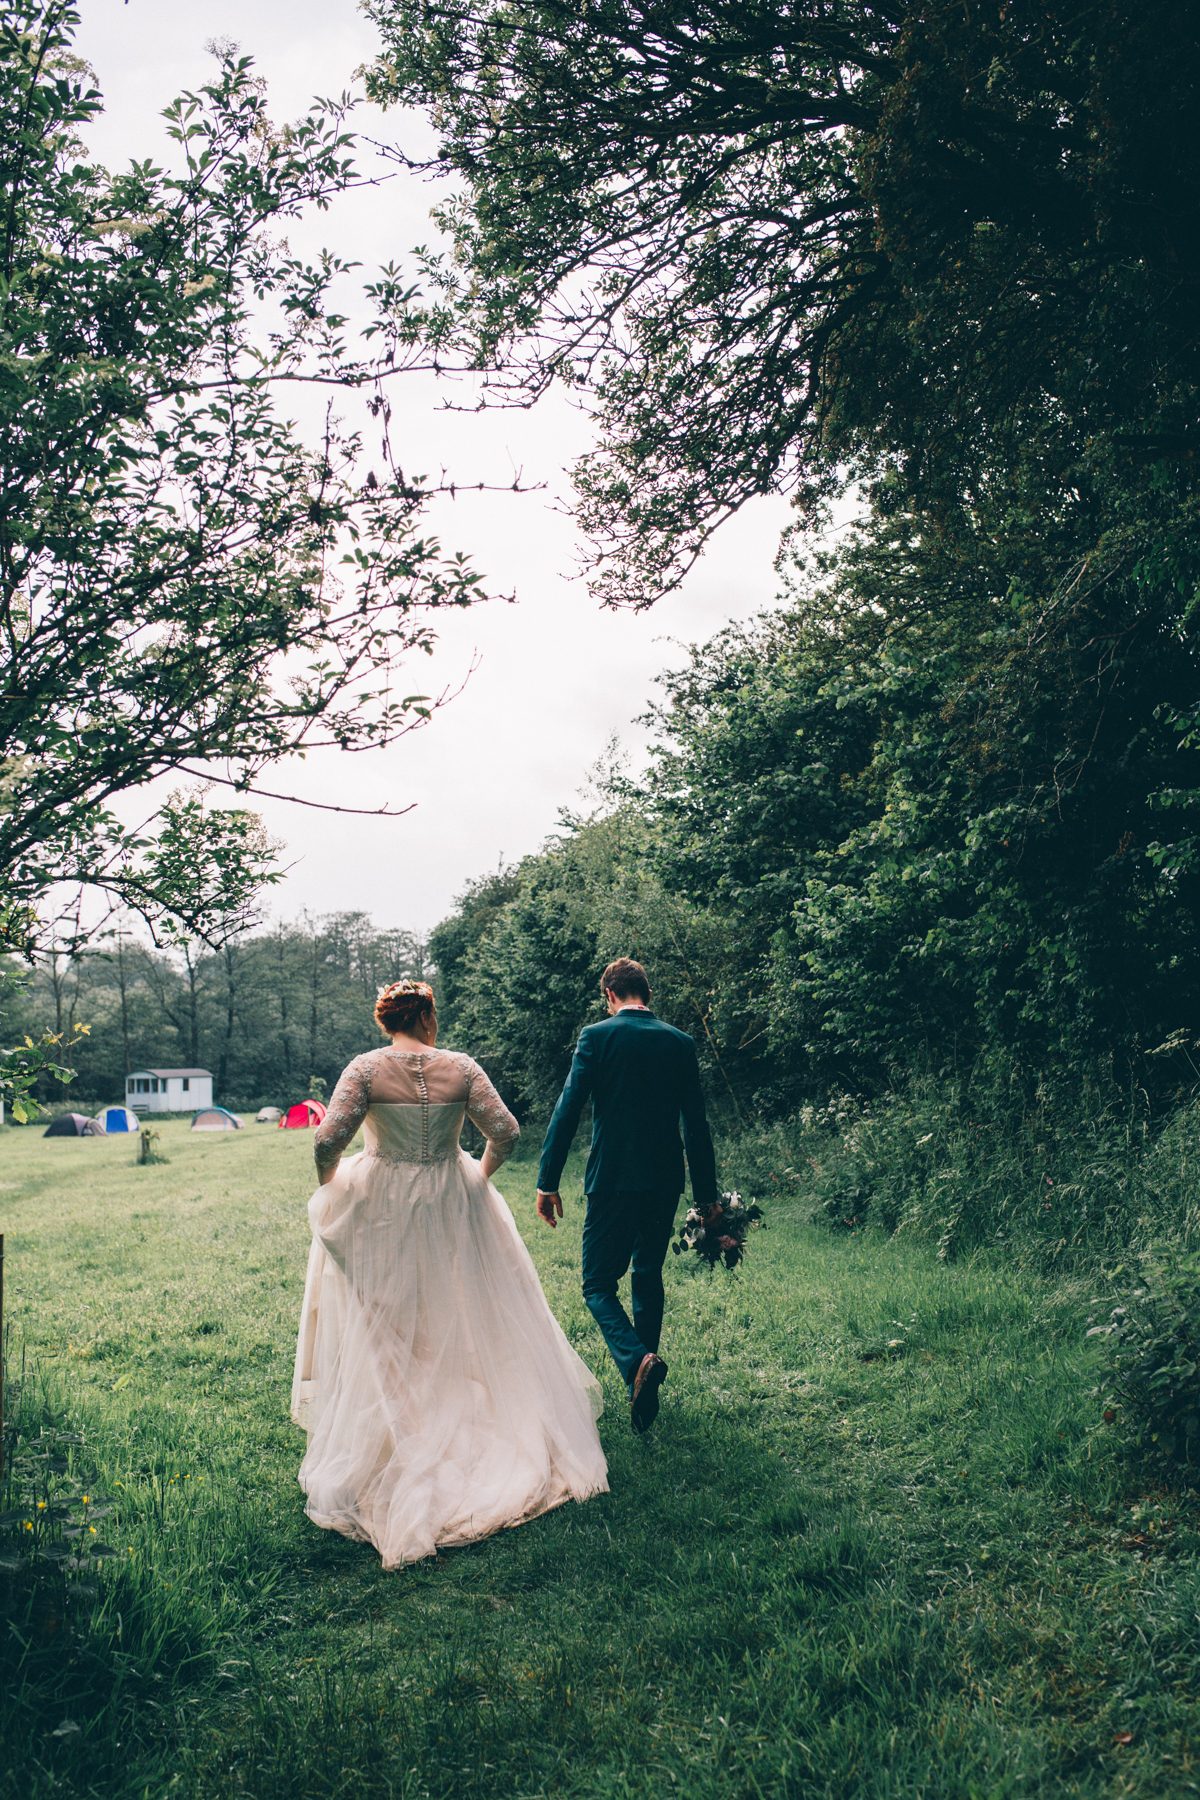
pixel 302 1115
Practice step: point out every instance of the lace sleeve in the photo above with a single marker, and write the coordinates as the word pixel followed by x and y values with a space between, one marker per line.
pixel 346 1111
pixel 487 1111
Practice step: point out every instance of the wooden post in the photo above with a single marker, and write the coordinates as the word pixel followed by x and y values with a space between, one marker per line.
pixel 1 1356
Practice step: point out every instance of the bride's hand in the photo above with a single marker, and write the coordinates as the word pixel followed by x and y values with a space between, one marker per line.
pixel 489 1163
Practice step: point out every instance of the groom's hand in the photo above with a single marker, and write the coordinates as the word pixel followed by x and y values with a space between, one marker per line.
pixel 547 1204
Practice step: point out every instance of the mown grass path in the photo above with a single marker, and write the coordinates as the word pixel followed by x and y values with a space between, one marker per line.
pixel 878 1544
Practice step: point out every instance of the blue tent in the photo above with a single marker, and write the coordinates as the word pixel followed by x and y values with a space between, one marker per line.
pixel 215 1118
pixel 117 1118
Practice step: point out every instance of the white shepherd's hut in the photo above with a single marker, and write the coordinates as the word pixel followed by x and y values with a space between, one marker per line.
pixel 168 1090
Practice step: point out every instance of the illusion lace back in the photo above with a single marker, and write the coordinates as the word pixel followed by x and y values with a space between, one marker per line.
pixel 441 1398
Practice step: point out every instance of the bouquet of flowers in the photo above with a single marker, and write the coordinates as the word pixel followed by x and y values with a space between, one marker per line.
pixel 719 1230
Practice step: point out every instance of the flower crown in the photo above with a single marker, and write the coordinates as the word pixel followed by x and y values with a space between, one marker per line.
pixel 392 990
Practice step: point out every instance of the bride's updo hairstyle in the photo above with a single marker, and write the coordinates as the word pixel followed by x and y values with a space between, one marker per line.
pixel 403 1004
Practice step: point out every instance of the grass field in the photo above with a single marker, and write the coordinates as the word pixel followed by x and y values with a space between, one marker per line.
pixel 879 1543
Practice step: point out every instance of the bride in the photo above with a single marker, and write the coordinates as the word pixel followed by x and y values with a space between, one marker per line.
pixel 441 1399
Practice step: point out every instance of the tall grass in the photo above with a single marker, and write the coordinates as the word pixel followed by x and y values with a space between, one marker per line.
pixel 1048 1170
pixel 128 1572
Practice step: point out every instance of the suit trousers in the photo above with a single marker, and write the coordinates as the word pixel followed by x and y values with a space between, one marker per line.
pixel 620 1228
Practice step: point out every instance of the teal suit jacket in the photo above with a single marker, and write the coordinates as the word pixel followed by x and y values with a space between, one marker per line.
pixel 643 1080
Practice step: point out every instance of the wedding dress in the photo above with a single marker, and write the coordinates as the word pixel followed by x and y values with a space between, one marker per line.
pixel 441 1399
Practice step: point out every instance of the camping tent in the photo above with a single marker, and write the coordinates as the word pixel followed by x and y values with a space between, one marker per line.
pixel 116 1118
pixel 267 1115
pixel 215 1118
pixel 73 1125
pixel 303 1114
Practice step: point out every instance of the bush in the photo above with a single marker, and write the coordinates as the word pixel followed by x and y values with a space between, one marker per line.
pixel 1153 1345
pixel 1057 1168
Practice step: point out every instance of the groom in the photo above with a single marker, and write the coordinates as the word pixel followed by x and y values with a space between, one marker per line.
pixel 642 1078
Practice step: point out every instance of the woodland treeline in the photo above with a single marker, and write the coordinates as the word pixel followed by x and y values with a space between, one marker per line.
pixel 275 1015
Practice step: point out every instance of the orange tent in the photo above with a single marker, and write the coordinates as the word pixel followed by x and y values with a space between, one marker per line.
pixel 302 1115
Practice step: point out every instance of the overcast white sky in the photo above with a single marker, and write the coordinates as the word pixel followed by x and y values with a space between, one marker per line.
pixel 556 676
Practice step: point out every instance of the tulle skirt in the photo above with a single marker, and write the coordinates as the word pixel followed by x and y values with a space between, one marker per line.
pixel 442 1400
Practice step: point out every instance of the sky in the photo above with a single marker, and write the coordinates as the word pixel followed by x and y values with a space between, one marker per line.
pixel 552 676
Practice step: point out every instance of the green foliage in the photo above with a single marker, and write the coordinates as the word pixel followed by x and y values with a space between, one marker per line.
pixel 941 813
pixel 1059 1173
pixel 1153 1343
pixel 33 1061
pixel 1062 1174
pixel 778 246
pixel 872 840
pixel 204 870
pixel 450 943
pixel 527 950
pixel 945 806
pixel 933 838
pixel 168 538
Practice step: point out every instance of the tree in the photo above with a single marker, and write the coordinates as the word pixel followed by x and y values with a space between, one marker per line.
pixel 778 246
pixel 519 961
pixel 179 1001
pixel 929 845
pixel 120 960
pixel 205 870
pixel 369 957
pixel 183 579
pixel 476 910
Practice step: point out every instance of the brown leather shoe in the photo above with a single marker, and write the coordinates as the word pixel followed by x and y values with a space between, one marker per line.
pixel 643 1408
